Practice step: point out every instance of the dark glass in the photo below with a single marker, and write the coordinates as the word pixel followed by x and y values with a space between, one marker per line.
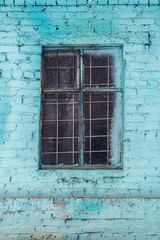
pixel 65 60
pixel 49 145
pixel 76 158
pixel 98 127
pixel 98 158
pixel 49 78
pixel 86 59
pixel 98 143
pixel 76 128
pixel 87 158
pixel 50 59
pixel 65 129
pixel 49 111
pixel 86 110
pixel 99 110
pixel 76 144
pixel 111 60
pixel 112 76
pixel 65 145
pixel 49 129
pixel 65 77
pixel 48 159
pixel 76 111
pixel 87 127
pixel 100 77
pixel 65 111
pixel 99 60
pixel 87 144
pixel 87 77
pixel 65 158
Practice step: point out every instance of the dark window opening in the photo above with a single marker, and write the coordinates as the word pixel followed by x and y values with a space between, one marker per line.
pixel 81 107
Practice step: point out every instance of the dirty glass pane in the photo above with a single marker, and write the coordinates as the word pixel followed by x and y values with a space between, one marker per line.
pixel 100 68
pixel 60 69
pixel 60 128
pixel 102 120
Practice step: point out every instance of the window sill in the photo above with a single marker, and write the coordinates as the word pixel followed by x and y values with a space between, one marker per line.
pixel 111 169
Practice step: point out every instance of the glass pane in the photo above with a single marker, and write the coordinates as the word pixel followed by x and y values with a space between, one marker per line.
pixel 48 159
pixel 49 145
pixel 49 128
pixel 60 69
pixel 102 121
pixel 49 77
pixel 102 68
pixel 60 129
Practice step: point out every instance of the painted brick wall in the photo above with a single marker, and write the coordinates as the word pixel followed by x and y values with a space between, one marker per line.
pixel 94 204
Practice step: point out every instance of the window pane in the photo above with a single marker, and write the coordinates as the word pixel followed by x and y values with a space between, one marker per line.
pixel 101 68
pixel 48 159
pixel 102 121
pixel 60 128
pixel 60 69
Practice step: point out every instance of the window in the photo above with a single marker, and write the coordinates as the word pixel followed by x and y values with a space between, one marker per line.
pixel 81 117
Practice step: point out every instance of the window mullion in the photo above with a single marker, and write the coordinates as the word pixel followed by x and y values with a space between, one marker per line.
pixel 81 110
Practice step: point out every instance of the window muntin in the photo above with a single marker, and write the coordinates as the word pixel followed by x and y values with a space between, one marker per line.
pixel 81 108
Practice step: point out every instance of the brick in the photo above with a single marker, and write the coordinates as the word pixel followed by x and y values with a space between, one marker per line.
pixel 31 2
pixel 80 2
pixel 61 2
pixel 51 2
pixel 100 2
pixel 19 2
pixel 154 2
pixel 40 2
pixel 8 2
pixel 123 2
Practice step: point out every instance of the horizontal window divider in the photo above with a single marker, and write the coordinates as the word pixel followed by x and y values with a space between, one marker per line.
pixel 49 153
pixel 102 90
pixel 54 138
pixel 59 90
pixel 60 103
pixel 88 67
pixel 66 120
pixel 57 68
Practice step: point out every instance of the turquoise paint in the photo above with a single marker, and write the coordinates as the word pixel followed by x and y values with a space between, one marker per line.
pixel 93 204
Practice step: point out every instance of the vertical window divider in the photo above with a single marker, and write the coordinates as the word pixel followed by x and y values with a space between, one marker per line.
pixel 108 117
pixel 57 134
pixel 90 115
pixel 57 115
pixel 73 132
pixel 81 109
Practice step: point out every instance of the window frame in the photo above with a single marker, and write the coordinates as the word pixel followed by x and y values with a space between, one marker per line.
pixel 82 90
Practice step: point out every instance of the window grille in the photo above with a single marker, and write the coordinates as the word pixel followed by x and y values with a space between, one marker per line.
pixel 81 117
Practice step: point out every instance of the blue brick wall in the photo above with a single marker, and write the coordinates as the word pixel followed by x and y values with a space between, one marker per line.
pixel 94 204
